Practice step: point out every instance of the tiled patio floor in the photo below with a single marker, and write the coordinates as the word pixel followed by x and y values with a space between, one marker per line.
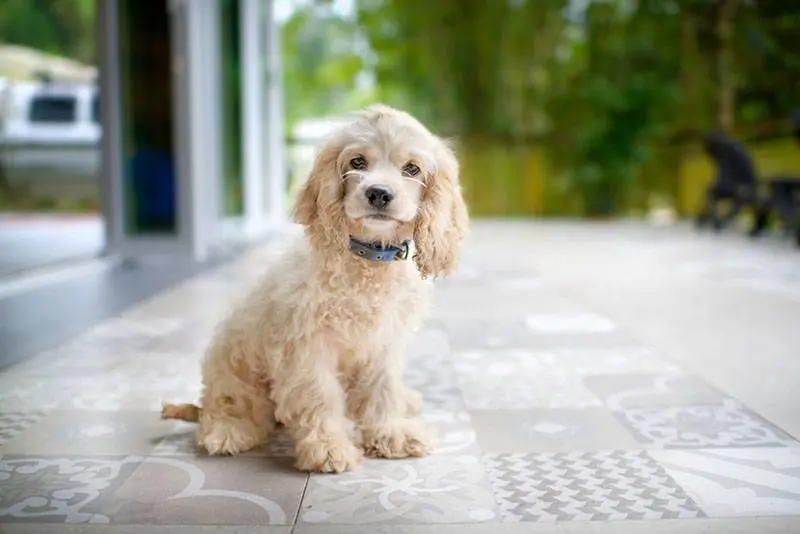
pixel 551 415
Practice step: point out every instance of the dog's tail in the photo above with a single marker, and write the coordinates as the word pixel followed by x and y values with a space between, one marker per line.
pixel 182 412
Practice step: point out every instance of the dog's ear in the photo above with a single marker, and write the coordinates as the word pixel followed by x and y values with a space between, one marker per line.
pixel 443 220
pixel 306 207
pixel 319 201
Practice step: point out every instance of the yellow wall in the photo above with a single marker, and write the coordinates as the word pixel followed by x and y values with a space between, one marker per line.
pixel 502 180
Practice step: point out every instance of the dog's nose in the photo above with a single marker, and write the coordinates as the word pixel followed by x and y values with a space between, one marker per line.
pixel 379 196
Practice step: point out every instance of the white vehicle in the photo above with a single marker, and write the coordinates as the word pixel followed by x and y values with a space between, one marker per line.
pixel 49 139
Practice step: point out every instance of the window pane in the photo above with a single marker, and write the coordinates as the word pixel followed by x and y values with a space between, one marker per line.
pixel 53 109
pixel 147 117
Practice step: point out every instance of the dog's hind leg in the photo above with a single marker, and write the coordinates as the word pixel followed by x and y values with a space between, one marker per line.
pixel 237 411
pixel 234 422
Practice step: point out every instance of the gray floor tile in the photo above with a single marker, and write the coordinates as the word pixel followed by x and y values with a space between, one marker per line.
pixel 89 433
pixel 208 491
pixel 624 391
pixel 432 374
pixel 60 489
pixel 728 424
pixel 519 379
pixel 436 489
pixel 743 525
pixel 575 486
pixel 28 528
pixel 549 430
pixel 515 333
pixel 738 482
pixel 14 423
pixel 454 432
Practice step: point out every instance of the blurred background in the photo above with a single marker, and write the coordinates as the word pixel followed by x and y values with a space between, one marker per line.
pixel 155 126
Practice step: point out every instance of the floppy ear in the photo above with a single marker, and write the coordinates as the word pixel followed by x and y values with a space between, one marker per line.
pixel 319 201
pixel 442 221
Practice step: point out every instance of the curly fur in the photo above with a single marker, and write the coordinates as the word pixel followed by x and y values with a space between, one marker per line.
pixel 318 345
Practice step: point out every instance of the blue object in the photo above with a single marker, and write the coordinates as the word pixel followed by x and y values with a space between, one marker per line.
pixel 152 176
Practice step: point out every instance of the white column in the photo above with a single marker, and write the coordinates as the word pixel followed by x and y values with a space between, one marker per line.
pixel 252 125
pixel 111 175
pixel 275 138
pixel 195 118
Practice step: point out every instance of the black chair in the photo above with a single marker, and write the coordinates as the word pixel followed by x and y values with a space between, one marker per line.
pixel 736 181
pixel 783 199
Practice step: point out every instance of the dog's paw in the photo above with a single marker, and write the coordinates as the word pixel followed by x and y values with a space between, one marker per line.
pixel 227 437
pixel 399 439
pixel 327 455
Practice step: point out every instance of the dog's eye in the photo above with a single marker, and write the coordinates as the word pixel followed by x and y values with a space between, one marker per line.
pixel 358 163
pixel 411 170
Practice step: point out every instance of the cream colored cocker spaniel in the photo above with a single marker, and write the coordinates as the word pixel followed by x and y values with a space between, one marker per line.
pixel 318 345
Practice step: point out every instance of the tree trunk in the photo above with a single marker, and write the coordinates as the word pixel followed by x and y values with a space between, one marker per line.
pixel 691 74
pixel 726 82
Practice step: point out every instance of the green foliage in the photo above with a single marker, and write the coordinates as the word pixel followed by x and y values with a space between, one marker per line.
pixel 323 57
pixel 63 27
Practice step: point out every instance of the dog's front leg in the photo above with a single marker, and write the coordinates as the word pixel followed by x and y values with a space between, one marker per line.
pixel 379 402
pixel 311 404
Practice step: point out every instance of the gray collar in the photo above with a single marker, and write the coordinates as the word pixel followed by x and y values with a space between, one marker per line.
pixel 376 253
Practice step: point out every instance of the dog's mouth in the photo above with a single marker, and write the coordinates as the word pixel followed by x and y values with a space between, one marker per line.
pixel 379 217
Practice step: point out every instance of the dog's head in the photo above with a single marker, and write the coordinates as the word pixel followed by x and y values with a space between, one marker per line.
pixel 385 178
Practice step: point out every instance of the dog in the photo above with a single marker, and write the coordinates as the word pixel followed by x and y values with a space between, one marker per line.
pixel 318 345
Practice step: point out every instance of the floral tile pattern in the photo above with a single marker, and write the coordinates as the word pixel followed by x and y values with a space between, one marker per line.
pixel 432 490
pixel 58 489
pixel 704 426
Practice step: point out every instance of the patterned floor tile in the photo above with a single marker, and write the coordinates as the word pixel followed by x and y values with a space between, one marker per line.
pixel 436 489
pixel 92 433
pixel 581 361
pixel 32 393
pixel 739 525
pixel 576 486
pixel 546 430
pixel 521 392
pixel 514 380
pixel 624 391
pixel 208 491
pixel 569 323
pixel 612 360
pixel 116 389
pixel 728 424
pixel 514 333
pixel 455 304
pixel 454 431
pixel 14 423
pixel 59 489
pixel 77 358
pixel 431 373
pixel 134 387
pixel 738 482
